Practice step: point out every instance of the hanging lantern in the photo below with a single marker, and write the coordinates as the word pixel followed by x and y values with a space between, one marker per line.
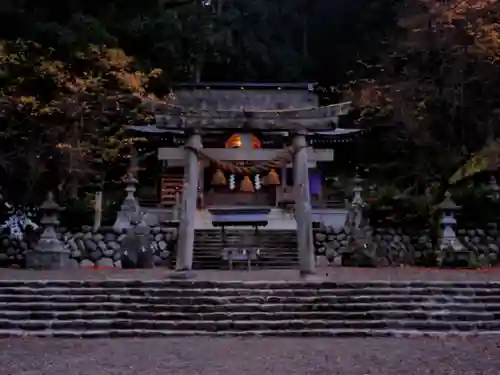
pixel 246 185
pixel 218 179
pixel 272 178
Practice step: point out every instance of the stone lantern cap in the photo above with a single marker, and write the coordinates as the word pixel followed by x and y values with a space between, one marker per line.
pixel 447 204
pixel 130 179
pixel 493 184
pixel 50 204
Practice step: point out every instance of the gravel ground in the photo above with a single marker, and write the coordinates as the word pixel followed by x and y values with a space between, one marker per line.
pixel 232 356
pixel 335 274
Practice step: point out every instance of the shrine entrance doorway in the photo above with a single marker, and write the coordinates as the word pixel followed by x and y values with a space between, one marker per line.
pixel 233 189
pixel 232 194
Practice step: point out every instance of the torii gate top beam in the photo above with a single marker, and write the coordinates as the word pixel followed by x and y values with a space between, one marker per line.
pixel 307 119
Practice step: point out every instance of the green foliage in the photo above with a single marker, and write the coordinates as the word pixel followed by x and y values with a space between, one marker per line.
pixel 399 211
pixel 430 68
pixel 229 40
pixel 478 204
pixel 77 213
pixel 438 80
pixel 66 112
pixel 109 211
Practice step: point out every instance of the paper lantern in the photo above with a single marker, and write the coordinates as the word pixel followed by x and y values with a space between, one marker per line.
pixel 272 178
pixel 218 179
pixel 246 185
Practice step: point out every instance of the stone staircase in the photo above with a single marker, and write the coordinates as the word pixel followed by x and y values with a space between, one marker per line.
pixel 278 248
pixel 124 308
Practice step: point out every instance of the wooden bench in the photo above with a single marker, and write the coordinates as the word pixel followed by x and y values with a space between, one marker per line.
pixel 237 218
pixel 240 254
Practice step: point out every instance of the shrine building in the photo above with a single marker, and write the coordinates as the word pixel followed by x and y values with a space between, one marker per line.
pixel 239 152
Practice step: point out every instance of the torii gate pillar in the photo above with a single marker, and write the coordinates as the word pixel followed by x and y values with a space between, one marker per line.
pixel 184 262
pixel 303 214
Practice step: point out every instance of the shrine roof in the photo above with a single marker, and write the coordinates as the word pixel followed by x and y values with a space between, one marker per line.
pixel 248 85
pixel 153 129
pixel 312 118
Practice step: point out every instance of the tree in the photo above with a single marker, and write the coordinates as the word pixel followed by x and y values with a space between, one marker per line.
pixel 64 116
pixel 438 80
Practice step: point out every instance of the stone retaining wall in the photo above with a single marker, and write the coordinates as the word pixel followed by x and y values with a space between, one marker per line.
pixel 394 246
pixel 102 249
pixel 400 246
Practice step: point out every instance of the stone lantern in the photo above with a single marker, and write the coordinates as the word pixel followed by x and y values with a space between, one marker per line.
pixel 452 253
pixel 130 207
pixel 50 252
pixel 357 204
pixel 494 188
pixel 360 251
pixel 448 208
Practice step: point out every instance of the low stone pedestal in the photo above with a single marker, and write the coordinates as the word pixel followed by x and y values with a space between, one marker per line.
pixel 137 250
pixel 361 251
pixel 461 258
pixel 48 255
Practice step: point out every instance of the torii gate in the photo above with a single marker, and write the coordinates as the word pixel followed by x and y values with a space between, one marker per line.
pixel 298 122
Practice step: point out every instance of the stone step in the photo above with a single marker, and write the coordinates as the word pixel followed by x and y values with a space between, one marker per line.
pixel 270 238
pixel 274 285
pixel 230 231
pixel 276 242
pixel 131 308
pixel 279 238
pixel 279 252
pixel 278 248
pixel 14 315
pixel 242 266
pixel 265 256
pixel 263 244
pixel 267 248
pixel 134 333
pixel 268 234
pixel 283 252
pixel 249 325
pixel 49 306
pixel 272 250
pixel 270 258
pixel 257 299
pixel 296 292
pixel 209 264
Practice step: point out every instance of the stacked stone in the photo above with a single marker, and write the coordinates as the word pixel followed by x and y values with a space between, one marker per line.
pixel 394 245
pixel 331 242
pixel 485 242
pixel 102 249
pixel 12 252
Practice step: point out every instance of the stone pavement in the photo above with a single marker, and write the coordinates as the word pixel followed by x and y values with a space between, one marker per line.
pixel 326 274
